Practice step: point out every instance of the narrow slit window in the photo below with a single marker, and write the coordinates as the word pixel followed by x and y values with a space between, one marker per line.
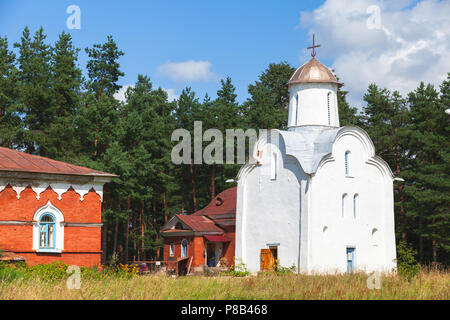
pixel 355 204
pixel 274 167
pixel 347 163
pixel 344 199
pixel 329 107
pixel 297 109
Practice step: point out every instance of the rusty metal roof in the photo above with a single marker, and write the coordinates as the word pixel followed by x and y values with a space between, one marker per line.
pixel 16 161
pixel 199 223
pixel 312 72
pixel 223 204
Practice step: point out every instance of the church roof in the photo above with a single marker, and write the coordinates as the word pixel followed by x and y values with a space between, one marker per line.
pixel 16 161
pixel 309 144
pixel 313 72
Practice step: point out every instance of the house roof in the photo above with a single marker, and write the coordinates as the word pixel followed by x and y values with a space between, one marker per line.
pixel 223 204
pixel 199 223
pixel 16 161
pixel 312 72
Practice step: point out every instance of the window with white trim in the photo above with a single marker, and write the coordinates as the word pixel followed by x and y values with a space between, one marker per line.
pixel 172 250
pixel 48 229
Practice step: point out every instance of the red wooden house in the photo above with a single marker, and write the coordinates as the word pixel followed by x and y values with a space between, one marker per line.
pixel 205 237
pixel 50 210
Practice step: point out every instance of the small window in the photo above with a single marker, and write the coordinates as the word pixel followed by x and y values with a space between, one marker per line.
pixel 297 110
pixel 184 248
pixel 344 200
pixel 347 163
pixel 47 232
pixel 172 250
pixel 329 107
pixel 274 167
pixel 375 237
pixel 355 204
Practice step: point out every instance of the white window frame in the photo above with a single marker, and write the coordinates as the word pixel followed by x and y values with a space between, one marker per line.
pixel 59 223
pixel 171 250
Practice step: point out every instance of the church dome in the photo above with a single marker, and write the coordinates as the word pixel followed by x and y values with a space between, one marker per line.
pixel 313 72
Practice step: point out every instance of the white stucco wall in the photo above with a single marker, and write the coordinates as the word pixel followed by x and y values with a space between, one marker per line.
pixel 374 211
pixel 268 211
pixel 295 209
pixel 309 104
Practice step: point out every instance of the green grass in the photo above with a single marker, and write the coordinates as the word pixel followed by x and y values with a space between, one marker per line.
pixel 426 285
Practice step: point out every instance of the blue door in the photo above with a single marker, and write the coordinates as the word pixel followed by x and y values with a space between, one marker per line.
pixel 350 260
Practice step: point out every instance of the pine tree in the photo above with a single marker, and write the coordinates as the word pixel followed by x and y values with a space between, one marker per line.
pixel 267 108
pixel 103 68
pixel 65 90
pixel 347 115
pixel 429 186
pixel 10 122
pixel 35 95
pixel 385 118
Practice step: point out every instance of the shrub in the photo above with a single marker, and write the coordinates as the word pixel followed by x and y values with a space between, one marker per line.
pixel 9 274
pixel 407 265
pixel 49 272
pixel 237 270
pixel 280 270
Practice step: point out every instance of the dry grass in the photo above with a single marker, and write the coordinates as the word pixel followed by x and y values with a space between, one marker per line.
pixel 427 285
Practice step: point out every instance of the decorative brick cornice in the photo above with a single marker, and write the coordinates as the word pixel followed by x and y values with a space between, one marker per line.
pixel 59 187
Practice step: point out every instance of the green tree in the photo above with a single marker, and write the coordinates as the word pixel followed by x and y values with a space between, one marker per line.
pixel 65 90
pixel 10 122
pixel 103 68
pixel 267 108
pixel 35 95
pixel 429 186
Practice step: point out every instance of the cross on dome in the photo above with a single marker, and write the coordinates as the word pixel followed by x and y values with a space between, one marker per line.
pixel 313 52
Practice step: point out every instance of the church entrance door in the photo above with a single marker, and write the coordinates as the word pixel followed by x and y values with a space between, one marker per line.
pixel 268 257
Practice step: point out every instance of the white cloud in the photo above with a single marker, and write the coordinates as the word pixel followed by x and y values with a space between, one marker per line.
pixel 120 95
pixel 411 44
pixel 188 71
pixel 171 93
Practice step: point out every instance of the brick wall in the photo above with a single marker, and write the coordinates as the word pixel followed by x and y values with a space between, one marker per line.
pixel 82 245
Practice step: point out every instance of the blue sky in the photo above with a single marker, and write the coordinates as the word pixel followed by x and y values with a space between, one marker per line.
pixel 238 38
pixel 196 43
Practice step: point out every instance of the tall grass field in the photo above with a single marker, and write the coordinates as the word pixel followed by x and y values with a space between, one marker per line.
pixel 16 284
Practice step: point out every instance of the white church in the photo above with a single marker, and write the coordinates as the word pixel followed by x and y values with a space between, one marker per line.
pixel 315 196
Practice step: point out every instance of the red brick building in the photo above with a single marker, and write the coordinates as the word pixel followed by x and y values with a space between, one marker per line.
pixel 50 210
pixel 204 237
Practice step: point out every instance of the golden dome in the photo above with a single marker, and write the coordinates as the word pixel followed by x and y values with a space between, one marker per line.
pixel 312 72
